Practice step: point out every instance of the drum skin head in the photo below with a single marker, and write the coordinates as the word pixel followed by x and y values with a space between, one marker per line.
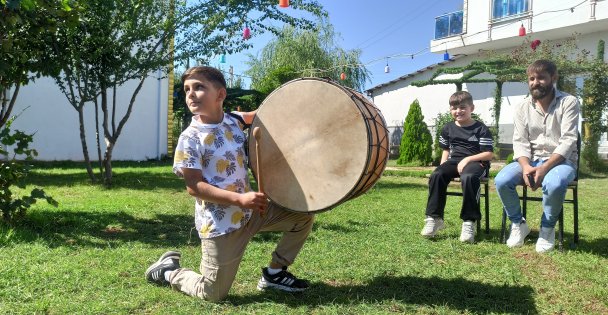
pixel 313 145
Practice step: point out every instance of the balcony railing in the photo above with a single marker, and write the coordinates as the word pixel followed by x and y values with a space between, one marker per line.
pixel 448 25
pixel 505 9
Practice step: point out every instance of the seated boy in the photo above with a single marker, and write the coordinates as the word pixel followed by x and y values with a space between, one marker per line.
pixel 467 150
pixel 210 156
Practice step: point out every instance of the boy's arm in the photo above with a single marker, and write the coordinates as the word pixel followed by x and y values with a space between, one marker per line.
pixel 444 155
pixel 196 187
pixel 483 156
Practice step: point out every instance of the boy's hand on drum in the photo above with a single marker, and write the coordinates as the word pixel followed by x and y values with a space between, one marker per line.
pixel 254 200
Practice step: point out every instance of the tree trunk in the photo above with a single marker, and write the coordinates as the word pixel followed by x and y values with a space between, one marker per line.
pixel 6 109
pixel 97 138
pixel 83 141
pixel 107 164
pixel 496 114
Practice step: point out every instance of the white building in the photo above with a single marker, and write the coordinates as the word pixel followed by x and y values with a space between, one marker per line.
pixel 45 111
pixel 485 25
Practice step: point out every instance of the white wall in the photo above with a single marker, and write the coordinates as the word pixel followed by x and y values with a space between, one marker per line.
pixel 46 112
pixel 548 19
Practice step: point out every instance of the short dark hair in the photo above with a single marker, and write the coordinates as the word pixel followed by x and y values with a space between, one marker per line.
pixel 214 75
pixel 461 97
pixel 543 65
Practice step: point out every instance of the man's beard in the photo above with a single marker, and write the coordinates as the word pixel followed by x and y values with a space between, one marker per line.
pixel 540 91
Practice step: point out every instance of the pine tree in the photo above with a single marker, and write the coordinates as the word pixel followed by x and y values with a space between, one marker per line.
pixel 416 141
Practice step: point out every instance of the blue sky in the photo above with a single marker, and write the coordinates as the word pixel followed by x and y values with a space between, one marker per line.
pixel 381 28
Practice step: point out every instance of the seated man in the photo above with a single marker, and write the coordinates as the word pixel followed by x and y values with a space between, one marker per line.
pixel 545 154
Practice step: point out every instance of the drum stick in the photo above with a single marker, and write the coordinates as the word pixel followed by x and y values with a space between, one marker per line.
pixel 257 135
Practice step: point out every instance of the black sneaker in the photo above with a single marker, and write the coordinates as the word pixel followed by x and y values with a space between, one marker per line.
pixel 282 280
pixel 167 262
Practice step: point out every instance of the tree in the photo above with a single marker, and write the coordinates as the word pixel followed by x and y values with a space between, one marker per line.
pixel 126 41
pixel 13 173
pixel 24 24
pixel 595 105
pixel 416 140
pixel 305 53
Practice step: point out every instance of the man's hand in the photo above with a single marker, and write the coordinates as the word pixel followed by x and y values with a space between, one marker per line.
pixel 539 175
pixel 254 200
pixel 530 172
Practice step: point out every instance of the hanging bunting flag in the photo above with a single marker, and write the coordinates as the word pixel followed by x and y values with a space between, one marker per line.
pixel 246 33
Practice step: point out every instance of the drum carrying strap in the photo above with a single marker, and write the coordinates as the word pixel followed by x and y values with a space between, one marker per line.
pixel 245 126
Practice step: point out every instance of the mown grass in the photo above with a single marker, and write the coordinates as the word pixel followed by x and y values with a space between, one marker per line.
pixel 365 256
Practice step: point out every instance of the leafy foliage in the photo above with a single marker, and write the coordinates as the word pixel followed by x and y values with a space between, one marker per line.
pixel 24 24
pixel 305 53
pixel 119 41
pixel 416 140
pixel 13 172
pixel 595 105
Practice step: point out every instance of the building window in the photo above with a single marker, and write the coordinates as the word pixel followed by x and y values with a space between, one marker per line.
pixel 448 25
pixel 509 8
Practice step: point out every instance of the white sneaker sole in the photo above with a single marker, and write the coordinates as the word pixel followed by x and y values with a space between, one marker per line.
pixel 431 235
pixel 263 285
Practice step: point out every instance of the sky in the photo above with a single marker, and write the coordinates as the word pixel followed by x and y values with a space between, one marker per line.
pixel 382 29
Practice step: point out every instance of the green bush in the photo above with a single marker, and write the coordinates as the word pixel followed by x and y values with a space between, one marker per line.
pixel 440 121
pixel 416 140
pixel 13 172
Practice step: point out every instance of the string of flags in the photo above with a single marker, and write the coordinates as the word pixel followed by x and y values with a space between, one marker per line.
pixel 446 56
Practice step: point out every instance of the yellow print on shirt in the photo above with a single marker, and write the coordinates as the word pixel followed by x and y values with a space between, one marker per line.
pixel 221 166
pixel 205 230
pixel 236 217
pixel 240 158
pixel 229 135
pixel 181 156
pixel 232 187
pixel 209 139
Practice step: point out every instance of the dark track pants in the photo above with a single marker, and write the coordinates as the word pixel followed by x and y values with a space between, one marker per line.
pixel 470 183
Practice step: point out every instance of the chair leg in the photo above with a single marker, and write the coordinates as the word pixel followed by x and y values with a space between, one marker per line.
pixel 525 201
pixel 575 213
pixel 478 221
pixel 561 230
pixel 487 199
pixel 503 227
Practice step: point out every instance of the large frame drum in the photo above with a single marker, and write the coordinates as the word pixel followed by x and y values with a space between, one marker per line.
pixel 321 144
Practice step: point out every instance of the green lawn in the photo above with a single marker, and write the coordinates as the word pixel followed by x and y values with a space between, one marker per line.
pixel 366 256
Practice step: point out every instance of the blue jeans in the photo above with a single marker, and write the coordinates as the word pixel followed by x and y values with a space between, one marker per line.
pixel 554 188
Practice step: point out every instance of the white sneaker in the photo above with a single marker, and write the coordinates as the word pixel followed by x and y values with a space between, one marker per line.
pixel 467 234
pixel 431 226
pixel 546 240
pixel 519 231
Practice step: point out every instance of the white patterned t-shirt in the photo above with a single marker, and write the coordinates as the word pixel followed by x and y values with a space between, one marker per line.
pixel 217 150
